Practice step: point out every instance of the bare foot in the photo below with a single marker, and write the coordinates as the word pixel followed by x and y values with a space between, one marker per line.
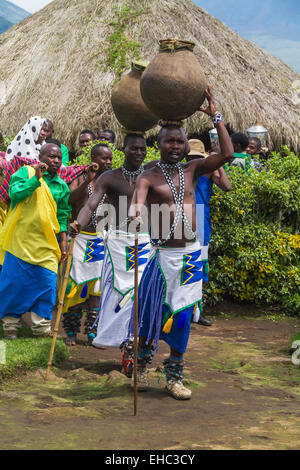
pixel 70 340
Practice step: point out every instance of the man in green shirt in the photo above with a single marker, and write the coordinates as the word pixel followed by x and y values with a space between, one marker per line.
pixel 241 159
pixel 30 252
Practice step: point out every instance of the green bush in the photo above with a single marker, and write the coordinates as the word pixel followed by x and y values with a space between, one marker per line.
pixel 255 246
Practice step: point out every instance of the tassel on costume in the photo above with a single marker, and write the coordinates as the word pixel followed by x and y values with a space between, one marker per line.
pixel 69 288
pixel 84 292
pixel 123 302
pixel 97 286
pixel 182 320
pixel 72 293
pixel 168 326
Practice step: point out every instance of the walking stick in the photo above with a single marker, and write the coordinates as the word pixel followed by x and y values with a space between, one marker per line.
pixel 60 304
pixel 136 306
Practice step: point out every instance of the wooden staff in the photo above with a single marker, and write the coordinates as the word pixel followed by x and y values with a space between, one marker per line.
pixel 136 306
pixel 60 304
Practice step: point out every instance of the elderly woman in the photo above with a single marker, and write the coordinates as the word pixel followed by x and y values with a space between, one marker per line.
pixel 29 140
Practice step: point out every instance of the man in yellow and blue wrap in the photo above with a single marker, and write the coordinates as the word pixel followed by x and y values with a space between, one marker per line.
pixel 29 243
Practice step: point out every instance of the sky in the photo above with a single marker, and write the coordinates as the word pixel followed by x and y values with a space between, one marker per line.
pixel 271 24
pixel 31 5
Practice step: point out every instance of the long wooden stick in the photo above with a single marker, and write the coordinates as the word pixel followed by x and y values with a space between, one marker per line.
pixel 136 306
pixel 60 306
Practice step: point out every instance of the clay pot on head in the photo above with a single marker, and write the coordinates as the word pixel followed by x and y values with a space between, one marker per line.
pixel 127 103
pixel 173 85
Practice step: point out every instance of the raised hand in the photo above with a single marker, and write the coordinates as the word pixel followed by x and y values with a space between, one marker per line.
pixel 74 229
pixel 92 171
pixel 40 169
pixel 211 110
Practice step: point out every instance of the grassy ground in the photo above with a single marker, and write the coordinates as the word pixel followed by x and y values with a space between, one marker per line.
pixel 29 353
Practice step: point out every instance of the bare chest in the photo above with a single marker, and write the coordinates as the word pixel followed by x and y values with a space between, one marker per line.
pixel 171 189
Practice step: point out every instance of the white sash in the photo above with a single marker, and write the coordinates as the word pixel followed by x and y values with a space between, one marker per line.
pixel 87 258
pixel 182 271
pixel 120 246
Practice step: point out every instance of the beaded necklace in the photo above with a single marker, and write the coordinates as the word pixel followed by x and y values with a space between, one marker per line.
pixel 132 175
pixel 179 201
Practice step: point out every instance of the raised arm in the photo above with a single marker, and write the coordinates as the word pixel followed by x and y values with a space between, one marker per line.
pixel 220 178
pixel 21 187
pixel 78 192
pixel 91 205
pixel 213 162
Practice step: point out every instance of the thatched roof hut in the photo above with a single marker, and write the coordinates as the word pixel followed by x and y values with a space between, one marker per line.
pixel 52 64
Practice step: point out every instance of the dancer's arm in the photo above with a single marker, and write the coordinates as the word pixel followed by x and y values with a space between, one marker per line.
pixel 139 198
pixel 77 193
pixel 213 162
pixel 220 178
pixel 91 205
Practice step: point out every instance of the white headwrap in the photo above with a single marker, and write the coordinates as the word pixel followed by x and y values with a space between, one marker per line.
pixel 24 144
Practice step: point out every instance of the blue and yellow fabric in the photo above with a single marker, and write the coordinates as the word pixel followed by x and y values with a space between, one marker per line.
pixel 29 250
pixel 170 288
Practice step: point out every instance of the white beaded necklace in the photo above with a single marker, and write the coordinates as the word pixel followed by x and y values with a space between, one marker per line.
pixel 179 201
pixel 132 175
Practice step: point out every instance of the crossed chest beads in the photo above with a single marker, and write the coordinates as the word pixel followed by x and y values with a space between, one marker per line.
pixel 94 214
pixel 179 201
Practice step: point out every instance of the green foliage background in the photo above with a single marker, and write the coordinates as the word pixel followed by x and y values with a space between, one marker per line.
pixel 255 247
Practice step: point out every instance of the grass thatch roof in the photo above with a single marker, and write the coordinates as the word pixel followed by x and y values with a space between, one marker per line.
pixel 52 65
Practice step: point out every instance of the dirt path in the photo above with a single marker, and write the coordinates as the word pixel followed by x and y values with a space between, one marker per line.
pixel 246 395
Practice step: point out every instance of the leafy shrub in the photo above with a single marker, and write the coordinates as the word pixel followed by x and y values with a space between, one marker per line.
pixel 255 246
pixel 122 48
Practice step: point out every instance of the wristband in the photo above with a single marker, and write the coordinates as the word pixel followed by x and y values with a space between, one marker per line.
pixel 217 118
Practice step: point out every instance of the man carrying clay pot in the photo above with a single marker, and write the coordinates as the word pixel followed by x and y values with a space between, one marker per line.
pixel 171 285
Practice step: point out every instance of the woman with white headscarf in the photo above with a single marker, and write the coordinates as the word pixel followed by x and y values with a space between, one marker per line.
pixel 29 140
